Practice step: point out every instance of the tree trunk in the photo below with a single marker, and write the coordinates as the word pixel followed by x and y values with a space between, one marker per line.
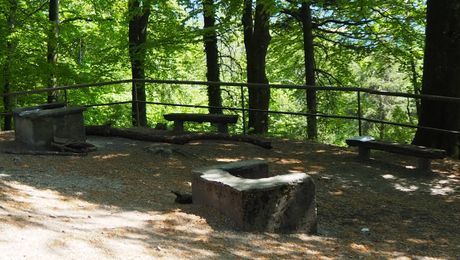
pixel 415 84
pixel 309 58
pixel 53 36
pixel 441 75
pixel 212 57
pixel 139 17
pixel 256 40
pixel 10 45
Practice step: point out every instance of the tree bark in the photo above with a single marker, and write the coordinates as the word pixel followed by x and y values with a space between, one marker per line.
pixel 415 84
pixel 53 36
pixel 256 40
pixel 212 57
pixel 10 45
pixel 138 22
pixel 309 61
pixel 441 76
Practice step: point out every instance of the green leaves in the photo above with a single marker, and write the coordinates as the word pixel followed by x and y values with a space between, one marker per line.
pixel 355 43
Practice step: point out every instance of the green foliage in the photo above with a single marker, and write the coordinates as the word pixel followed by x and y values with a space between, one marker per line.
pixel 357 43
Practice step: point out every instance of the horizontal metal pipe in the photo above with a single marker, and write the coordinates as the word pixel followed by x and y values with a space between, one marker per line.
pixel 235 84
pixel 313 114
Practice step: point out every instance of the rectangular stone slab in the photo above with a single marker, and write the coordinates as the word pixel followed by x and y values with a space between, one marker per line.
pixel 250 169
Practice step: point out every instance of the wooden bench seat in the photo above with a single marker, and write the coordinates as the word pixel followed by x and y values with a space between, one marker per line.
pixel 220 120
pixel 423 154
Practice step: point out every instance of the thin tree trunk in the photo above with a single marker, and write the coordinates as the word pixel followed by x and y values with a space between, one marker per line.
pixel 415 85
pixel 212 57
pixel 441 76
pixel 53 37
pixel 139 17
pixel 309 59
pixel 256 40
pixel 11 20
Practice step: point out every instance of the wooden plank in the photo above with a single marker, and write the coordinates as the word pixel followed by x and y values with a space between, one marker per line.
pixel 214 118
pixel 405 149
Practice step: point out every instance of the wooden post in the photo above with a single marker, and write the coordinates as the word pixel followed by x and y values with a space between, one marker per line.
pixel 178 126
pixel 222 128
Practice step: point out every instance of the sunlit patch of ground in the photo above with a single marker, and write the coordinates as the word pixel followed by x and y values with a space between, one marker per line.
pixel 116 203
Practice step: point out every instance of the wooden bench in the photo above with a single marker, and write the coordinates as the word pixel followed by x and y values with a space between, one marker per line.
pixel 423 154
pixel 220 120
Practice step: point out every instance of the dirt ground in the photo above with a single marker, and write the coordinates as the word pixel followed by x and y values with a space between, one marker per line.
pixel 116 203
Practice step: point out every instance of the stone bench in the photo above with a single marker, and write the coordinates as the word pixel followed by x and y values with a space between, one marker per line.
pixel 255 201
pixel 220 120
pixel 423 154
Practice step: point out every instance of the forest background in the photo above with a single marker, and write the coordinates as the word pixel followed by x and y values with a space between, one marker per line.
pixel 354 43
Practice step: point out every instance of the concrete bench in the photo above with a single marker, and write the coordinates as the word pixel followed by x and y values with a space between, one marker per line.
pixel 220 120
pixel 254 200
pixel 423 154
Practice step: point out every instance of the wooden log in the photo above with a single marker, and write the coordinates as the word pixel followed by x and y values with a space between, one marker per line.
pixel 164 137
pixel 220 136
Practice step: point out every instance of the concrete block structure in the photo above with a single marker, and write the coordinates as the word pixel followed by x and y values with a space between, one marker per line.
pixel 255 200
pixel 38 126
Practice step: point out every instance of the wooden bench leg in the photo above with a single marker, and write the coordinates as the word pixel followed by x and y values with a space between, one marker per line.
pixel 222 128
pixel 424 164
pixel 178 126
pixel 364 153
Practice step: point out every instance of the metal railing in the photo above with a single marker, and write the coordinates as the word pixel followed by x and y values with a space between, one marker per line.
pixel 359 115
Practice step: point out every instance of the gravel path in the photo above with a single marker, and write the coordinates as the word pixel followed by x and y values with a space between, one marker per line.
pixel 116 203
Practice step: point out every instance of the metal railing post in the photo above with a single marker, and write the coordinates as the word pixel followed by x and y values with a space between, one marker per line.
pixel 360 126
pixel 243 109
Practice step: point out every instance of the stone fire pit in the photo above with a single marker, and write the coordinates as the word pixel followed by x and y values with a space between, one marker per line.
pixel 38 126
pixel 254 200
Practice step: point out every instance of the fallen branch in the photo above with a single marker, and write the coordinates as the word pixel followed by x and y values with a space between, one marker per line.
pixel 164 137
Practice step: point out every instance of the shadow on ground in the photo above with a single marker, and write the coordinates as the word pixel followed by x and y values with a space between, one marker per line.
pixel 118 199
